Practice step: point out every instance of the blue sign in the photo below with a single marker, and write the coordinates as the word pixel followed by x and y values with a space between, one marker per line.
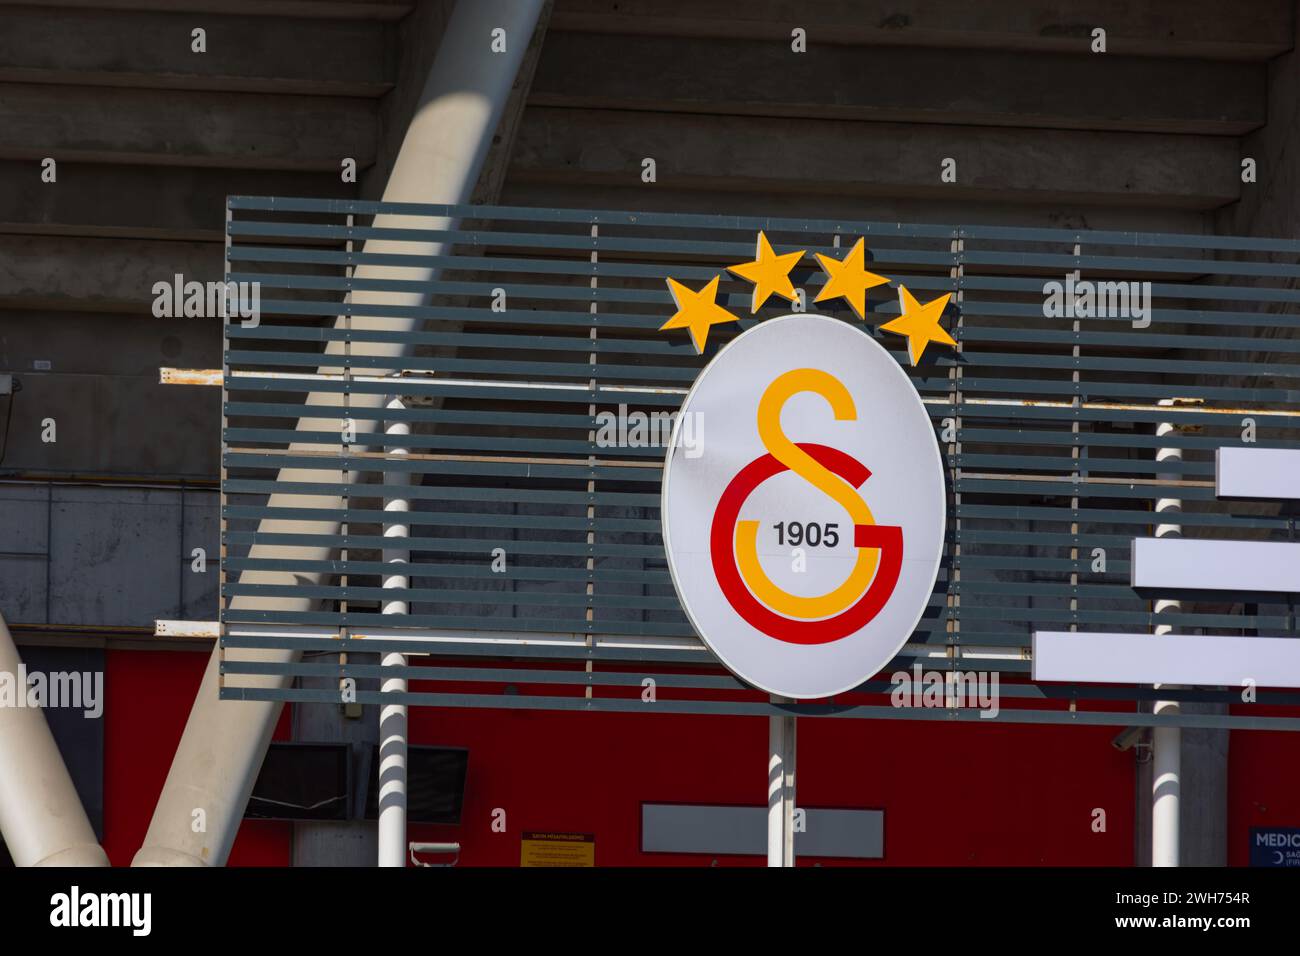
pixel 1275 846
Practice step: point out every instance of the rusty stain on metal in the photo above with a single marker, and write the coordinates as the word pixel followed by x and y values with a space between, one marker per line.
pixel 189 376
pixel 1089 480
pixel 492 459
pixel 1114 406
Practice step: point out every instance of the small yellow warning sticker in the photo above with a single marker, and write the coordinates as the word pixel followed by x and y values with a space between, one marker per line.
pixel 557 849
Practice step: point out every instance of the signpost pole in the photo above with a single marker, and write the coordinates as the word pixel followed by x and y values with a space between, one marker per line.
pixel 787 799
pixel 775 788
pixel 780 787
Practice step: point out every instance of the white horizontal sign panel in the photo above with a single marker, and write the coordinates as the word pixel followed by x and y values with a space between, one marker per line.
pixel 1168 659
pixel 1191 563
pixel 1257 473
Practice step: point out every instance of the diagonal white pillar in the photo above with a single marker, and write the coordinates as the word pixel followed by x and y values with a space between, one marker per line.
pixel 41 816
pixel 440 160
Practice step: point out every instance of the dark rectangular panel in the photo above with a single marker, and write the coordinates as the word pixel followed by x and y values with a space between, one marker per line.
pixel 302 782
pixel 435 785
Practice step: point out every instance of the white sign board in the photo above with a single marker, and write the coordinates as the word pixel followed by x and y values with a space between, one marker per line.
pixel 1245 472
pixel 804 521
pixel 1172 564
pixel 1213 565
pixel 1210 659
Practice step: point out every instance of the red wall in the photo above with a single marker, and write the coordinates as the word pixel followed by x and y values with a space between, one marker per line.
pixel 953 793
pixel 1263 782
pixel 148 695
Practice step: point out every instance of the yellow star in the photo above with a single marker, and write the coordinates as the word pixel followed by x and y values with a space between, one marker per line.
pixel 769 272
pixel 920 323
pixel 697 311
pixel 849 279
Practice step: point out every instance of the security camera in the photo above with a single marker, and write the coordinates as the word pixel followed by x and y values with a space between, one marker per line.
pixel 1128 738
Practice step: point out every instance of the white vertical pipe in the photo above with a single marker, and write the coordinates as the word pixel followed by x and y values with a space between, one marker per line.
pixel 1166 742
pixel 392 717
pixel 780 788
pixel 1166 767
pixel 440 160
pixel 41 816
pixel 775 789
pixel 787 790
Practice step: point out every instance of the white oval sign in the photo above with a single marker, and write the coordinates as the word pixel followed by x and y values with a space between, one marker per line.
pixel 804 519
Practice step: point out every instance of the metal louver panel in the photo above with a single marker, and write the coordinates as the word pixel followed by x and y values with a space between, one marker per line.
pixel 544 322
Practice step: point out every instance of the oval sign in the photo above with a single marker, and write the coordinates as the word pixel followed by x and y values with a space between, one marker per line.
pixel 803 506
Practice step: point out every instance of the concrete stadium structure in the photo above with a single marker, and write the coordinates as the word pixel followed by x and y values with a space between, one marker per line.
pixel 148 137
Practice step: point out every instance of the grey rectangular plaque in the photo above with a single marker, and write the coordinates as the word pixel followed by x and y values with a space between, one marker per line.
pixel 696 828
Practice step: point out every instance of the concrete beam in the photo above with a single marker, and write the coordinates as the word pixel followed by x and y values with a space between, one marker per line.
pixel 236 130
pixel 98 275
pixel 1190 28
pixel 72 344
pixel 497 164
pixel 762 78
pixel 306 9
pixel 1270 206
pixel 143 202
pixel 113 415
pixel 114 425
pixel 146 49
pixel 594 147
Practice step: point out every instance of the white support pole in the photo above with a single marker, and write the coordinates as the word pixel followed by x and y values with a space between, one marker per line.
pixel 775 789
pixel 1166 742
pixel 392 717
pixel 41 816
pixel 780 788
pixel 1166 768
pixel 787 794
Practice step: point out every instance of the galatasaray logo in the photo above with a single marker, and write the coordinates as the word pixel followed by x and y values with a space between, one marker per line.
pixel 839 476
pixel 804 536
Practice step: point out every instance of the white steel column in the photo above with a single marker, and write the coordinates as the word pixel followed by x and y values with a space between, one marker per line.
pixel 787 790
pixel 41 816
pixel 392 717
pixel 780 788
pixel 440 160
pixel 1166 742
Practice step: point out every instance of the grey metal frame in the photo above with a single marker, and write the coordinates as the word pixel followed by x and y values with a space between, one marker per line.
pixel 1053 453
